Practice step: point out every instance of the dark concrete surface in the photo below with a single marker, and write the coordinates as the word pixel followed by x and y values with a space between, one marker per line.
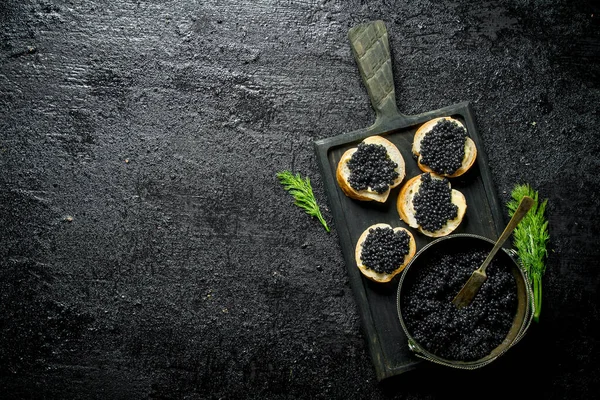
pixel 147 250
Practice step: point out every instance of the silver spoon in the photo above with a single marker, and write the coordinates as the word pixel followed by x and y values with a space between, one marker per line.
pixel 470 289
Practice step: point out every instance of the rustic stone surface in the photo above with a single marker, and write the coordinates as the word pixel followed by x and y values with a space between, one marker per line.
pixel 147 248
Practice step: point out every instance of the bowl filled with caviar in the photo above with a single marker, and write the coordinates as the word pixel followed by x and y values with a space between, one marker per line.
pixel 473 336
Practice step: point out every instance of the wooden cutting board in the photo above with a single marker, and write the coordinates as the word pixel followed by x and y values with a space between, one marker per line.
pixel 376 302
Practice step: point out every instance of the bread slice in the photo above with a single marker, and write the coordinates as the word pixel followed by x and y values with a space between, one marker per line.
pixel 372 274
pixel 406 209
pixel 470 149
pixel 343 172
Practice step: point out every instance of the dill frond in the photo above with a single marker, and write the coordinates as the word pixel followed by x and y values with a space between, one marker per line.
pixel 530 239
pixel 302 192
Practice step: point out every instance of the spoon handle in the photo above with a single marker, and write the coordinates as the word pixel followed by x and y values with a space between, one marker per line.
pixel 524 206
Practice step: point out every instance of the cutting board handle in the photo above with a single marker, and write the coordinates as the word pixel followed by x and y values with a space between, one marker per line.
pixel 371 51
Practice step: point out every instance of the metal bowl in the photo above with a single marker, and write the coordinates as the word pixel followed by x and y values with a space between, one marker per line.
pixel 523 315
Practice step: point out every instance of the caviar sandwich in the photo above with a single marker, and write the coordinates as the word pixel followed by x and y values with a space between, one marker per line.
pixel 443 147
pixel 370 171
pixel 427 202
pixel 382 252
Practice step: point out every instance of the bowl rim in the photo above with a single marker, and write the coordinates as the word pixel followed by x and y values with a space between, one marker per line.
pixel 422 353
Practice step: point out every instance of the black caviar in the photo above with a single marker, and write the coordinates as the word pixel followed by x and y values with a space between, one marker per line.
pixel 384 249
pixel 443 147
pixel 371 167
pixel 469 333
pixel 433 203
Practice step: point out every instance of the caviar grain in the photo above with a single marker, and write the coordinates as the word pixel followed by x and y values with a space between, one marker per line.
pixel 371 167
pixel 465 334
pixel 433 203
pixel 384 249
pixel 443 147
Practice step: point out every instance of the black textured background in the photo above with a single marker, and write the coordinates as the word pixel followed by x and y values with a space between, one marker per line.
pixel 146 248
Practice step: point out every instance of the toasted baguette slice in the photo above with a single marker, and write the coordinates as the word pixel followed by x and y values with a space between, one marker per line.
pixel 406 209
pixel 470 149
pixel 372 274
pixel 343 172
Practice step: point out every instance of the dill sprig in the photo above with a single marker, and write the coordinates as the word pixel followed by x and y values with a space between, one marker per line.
pixel 302 192
pixel 530 239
